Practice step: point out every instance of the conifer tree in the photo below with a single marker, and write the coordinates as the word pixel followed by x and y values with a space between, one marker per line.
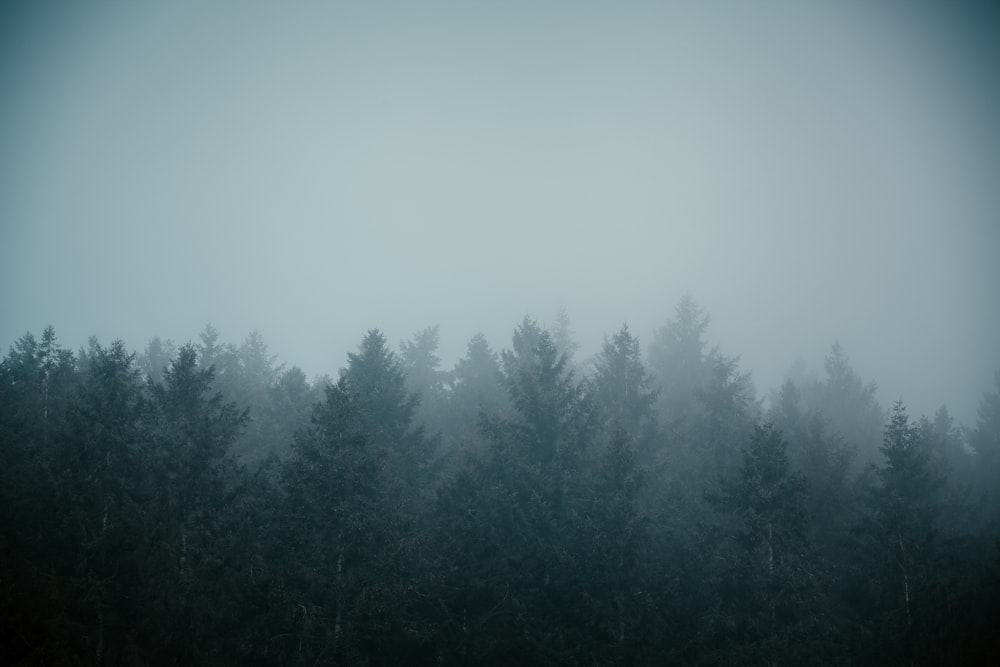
pixel 336 529
pixel 769 591
pixel 624 390
pixel 905 506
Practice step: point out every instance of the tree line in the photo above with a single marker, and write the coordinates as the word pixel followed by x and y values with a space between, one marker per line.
pixel 203 504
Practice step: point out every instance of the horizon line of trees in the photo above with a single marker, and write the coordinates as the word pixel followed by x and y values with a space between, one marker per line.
pixel 206 505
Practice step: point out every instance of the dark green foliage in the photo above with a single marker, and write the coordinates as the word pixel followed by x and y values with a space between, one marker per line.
pixel 37 387
pixel 202 505
pixel 901 536
pixel 728 411
pixel 545 397
pixel 985 443
pixel 768 498
pixel 335 536
pixel 614 536
pixel 376 383
pixel 375 379
pixel 287 410
pixel 769 597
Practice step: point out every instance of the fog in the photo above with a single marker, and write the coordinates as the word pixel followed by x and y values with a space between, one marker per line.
pixel 808 172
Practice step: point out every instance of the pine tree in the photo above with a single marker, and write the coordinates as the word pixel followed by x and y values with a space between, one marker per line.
pixel 476 389
pixel 191 484
pixel 37 387
pixel 615 542
pixel 984 440
pixel 544 395
pixel 376 383
pixel 420 361
pixel 98 484
pixel 625 391
pixel 336 537
pixel 849 404
pixel 770 590
pixel 905 506
pixel 677 357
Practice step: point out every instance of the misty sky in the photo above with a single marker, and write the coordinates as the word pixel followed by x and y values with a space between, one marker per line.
pixel 808 171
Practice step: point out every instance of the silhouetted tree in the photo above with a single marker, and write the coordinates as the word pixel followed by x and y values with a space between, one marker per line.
pixel 903 526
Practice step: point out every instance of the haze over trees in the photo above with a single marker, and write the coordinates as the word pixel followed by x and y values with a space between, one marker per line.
pixel 204 504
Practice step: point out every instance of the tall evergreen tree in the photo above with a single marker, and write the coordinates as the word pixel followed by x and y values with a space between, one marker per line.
pixel 905 506
pixel 849 404
pixel 420 361
pixel 677 357
pixel 98 483
pixel 288 410
pixel 476 389
pixel 615 543
pixel 192 482
pixel 768 595
pixel 376 383
pixel 338 537
pixel 984 440
pixel 527 502
pixel 624 390
pixel 37 385
pixel 728 412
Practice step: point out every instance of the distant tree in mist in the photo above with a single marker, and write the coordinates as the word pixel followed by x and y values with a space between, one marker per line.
pixel 564 337
pixel 424 379
pixel 626 392
pixel 678 360
pixel 476 388
pixel 156 358
pixel 848 403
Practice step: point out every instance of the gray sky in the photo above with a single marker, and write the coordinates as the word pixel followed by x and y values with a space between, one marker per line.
pixel 809 171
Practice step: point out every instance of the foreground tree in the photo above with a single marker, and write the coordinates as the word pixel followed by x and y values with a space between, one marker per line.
pixel 513 571
pixel 338 538
pixel 376 383
pixel 769 593
pixel 985 443
pixel 902 536
pixel 192 484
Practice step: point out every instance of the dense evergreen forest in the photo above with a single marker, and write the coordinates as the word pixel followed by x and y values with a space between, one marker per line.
pixel 203 504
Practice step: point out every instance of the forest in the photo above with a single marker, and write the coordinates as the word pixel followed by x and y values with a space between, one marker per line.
pixel 203 504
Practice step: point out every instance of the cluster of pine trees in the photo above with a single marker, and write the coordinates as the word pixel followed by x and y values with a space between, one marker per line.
pixel 203 505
